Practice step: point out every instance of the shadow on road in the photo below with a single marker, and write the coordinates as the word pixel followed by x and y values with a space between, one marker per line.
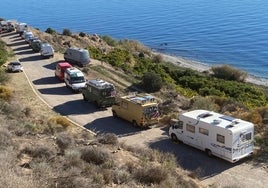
pixel 75 107
pixel 46 80
pixel 51 66
pixel 21 42
pixel 31 58
pixel 63 90
pixel 112 125
pixel 29 51
pixel 22 48
pixel 193 159
pixel 6 34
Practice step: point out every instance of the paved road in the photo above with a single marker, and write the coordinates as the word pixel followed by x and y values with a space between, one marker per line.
pixel 41 75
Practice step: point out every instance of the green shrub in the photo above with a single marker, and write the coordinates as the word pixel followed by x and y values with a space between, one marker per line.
pixel 227 72
pixel 37 151
pixel 5 138
pixel 50 31
pixel 3 53
pixel 82 34
pixel 3 76
pixel 151 82
pixel 67 32
pixel 109 40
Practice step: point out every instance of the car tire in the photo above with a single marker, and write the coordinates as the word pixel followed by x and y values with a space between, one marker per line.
pixel 174 137
pixel 135 124
pixel 114 114
pixel 209 153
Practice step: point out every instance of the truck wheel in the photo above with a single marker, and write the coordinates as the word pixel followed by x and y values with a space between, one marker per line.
pixel 134 123
pixel 174 137
pixel 209 153
pixel 114 114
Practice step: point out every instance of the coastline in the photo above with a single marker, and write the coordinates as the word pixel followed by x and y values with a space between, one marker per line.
pixel 198 66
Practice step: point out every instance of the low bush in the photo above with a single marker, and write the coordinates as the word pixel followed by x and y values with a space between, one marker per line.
pixel 5 93
pixel 3 53
pixel 37 151
pixel 63 141
pixel 3 76
pixel 67 32
pixel 95 155
pixel 227 72
pixel 50 31
pixel 151 175
pixel 64 122
pixel 82 34
pixel 5 138
pixel 108 138
pixel 109 40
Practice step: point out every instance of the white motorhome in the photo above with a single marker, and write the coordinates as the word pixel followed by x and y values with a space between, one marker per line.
pixel 216 134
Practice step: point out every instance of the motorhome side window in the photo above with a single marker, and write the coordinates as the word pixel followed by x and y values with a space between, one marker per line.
pixel 190 128
pixel 220 138
pixel 203 131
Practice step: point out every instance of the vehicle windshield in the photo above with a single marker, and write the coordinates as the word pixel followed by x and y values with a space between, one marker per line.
pixel 78 79
pixel 151 111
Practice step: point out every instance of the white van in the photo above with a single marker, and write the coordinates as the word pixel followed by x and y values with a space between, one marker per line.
pixel 74 79
pixel 47 50
pixel 77 56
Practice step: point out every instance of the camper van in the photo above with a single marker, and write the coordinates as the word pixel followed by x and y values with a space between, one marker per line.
pixel 47 50
pixel 139 109
pixel 216 134
pixel 77 56
pixel 36 45
pixel 74 79
pixel 20 27
pixel 60 70
pixel 100 92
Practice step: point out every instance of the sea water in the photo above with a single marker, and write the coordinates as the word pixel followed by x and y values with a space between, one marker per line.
pixel 233 32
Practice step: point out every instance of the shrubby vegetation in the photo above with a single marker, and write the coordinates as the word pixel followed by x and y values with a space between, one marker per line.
pixel 3 53
pixel 67 32
pixel 50 31
pixel 225 81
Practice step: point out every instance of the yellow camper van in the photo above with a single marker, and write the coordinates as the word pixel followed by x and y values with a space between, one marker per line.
pixel 139 109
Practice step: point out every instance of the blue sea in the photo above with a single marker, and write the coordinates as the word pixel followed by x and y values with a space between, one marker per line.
pixel 213 32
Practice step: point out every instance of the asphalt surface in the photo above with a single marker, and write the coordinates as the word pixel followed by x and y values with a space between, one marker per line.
pixel 40 73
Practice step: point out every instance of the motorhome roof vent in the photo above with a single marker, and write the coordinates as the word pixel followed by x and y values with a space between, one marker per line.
pixel 216 121
pixel 204 115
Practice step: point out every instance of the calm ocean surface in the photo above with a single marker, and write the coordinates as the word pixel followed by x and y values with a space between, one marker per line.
pixel 233 32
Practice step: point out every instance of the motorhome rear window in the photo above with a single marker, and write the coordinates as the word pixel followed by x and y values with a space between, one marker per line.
pixel 246 137
pixel 220 138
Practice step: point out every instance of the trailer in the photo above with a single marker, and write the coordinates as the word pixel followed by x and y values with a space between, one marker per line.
pixel 223 136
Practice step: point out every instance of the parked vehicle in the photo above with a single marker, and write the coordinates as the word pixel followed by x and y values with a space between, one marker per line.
pixel 14 67
pixel 28 37
pixel 140 109
pixel 47 50
pixel 216 134
pixel 74 79
pixel 26 33
pixel 100 92
pixel 36 45
pixel 20 27
pixel 60 69
pixel 31 39
pixel 77 56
